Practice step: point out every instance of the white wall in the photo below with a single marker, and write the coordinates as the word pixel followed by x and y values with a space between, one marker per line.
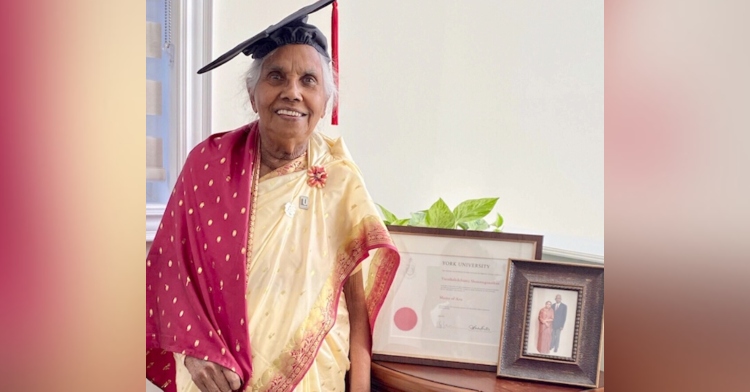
pixel 460 99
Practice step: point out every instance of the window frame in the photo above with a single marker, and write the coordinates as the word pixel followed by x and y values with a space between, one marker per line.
pixel 192 22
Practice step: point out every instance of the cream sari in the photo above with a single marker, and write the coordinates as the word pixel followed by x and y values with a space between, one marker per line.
pixel 301 257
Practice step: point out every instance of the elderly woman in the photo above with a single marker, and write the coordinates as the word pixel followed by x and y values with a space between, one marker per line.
pixel 544 332
pixel 259 276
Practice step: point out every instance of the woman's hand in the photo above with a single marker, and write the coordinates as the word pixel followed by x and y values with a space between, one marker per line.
pixel 212 377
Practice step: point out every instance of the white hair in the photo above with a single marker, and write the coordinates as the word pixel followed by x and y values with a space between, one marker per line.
pixel 252 76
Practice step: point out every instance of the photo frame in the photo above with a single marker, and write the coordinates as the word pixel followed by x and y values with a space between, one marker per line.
pixel 533 345
pixel 445 305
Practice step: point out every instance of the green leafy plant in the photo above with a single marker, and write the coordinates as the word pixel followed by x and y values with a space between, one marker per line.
pixel 469 215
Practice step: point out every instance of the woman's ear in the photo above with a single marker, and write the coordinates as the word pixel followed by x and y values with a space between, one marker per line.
pixel 252 101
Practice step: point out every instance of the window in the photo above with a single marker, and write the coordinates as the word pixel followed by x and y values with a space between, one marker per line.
pixel 177 99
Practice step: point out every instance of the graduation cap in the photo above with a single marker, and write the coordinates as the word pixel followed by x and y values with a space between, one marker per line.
pixel 291 30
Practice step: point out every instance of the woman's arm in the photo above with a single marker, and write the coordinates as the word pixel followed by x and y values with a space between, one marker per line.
pixel 360 340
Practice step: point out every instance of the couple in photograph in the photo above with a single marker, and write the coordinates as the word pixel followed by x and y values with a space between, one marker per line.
pixel 551 322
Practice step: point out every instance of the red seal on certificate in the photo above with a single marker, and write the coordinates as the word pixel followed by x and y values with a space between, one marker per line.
pixel 405 319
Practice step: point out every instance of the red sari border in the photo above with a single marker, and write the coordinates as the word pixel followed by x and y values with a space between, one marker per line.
pixel 368 235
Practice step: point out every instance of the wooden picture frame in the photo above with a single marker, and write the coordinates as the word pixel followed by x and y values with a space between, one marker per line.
pixel 445 305
pixel 533 346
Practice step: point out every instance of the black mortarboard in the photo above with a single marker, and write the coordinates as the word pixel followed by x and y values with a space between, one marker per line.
pixel 291 30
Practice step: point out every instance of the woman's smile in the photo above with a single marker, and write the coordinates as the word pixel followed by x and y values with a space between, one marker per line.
pixel 290 114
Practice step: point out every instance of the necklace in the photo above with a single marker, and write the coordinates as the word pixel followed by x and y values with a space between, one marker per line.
pixel 251 218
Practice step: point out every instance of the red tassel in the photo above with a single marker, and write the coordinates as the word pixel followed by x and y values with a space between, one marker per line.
pixel 335 59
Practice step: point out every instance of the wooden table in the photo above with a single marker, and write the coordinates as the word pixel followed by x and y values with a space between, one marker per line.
pixel 395 377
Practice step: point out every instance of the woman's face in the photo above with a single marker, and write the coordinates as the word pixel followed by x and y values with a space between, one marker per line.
pixel 289 96
pixel 548 304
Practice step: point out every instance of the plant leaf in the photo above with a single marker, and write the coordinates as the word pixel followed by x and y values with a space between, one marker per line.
pixel 418 218
pixel 479 225
pixel 464 226
pixel 499 221
pixel 440 216
pixel 389 216
pixel 471 210
pixel 401 222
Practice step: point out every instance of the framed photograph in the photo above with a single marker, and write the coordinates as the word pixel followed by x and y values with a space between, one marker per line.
pixel 552 322
pixel 445 305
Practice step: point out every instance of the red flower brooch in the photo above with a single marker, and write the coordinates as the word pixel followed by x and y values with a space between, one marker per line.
pixel 316 176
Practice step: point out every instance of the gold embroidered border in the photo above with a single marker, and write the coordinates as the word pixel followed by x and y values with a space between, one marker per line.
pixel 292 364
pixel 296 165
pixel 384 263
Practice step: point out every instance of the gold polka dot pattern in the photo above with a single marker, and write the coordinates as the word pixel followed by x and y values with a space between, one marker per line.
pixel 202 211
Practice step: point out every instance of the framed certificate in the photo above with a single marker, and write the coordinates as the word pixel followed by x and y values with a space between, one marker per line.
pixel 445 305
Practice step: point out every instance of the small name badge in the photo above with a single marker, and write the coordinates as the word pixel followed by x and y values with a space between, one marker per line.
pixel 303 202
